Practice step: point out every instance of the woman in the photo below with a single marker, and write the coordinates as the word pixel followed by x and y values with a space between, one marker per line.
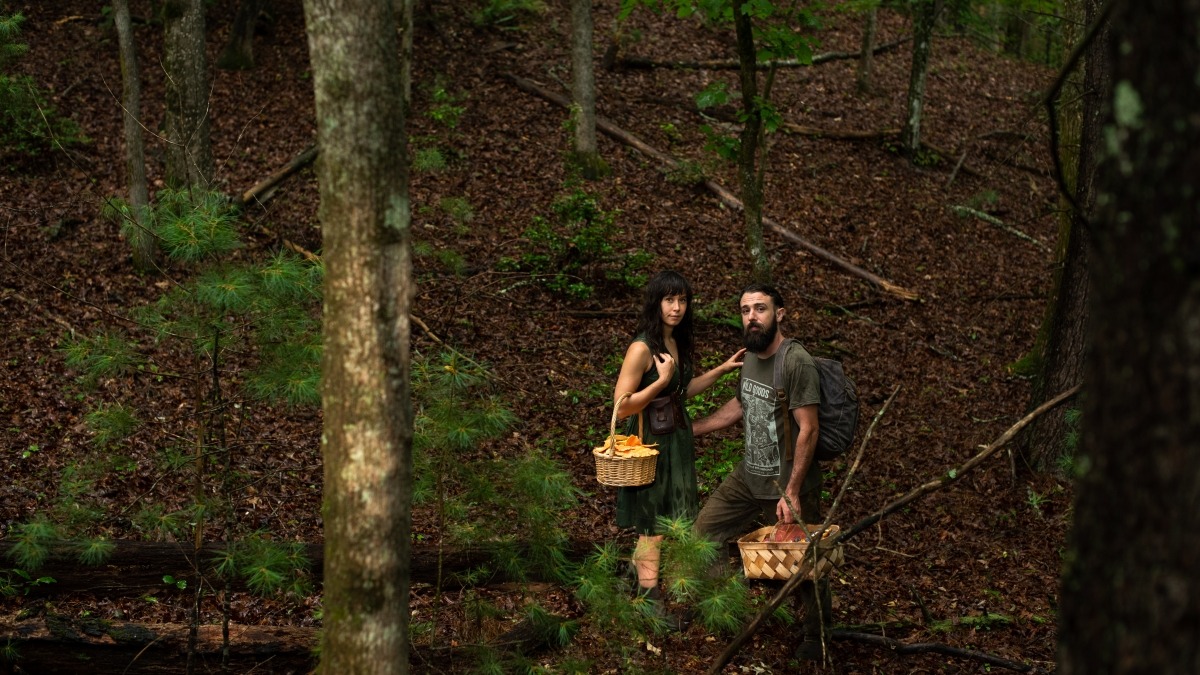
pixel 659 364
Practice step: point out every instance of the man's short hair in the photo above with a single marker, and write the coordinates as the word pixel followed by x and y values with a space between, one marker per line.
pixel 765 289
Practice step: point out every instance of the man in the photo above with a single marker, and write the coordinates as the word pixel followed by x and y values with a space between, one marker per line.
pixel 777 480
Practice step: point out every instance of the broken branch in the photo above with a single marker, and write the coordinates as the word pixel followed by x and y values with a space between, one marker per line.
pixel 641 63
pixel 964 211
pixel 807 563
pixel 265 189
pixel 724 195
pixel 950 477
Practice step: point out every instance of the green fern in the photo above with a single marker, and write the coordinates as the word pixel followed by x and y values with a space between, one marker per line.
pixel 111 423
pixel 195 225
pixel 105 355
pixel 32 541
pixel 95 551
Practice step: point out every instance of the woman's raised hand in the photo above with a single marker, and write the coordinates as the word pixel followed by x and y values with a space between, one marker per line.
pixel 665 365
pixel 734 362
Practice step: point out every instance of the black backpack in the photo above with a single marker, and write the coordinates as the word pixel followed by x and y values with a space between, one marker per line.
pixel 837 416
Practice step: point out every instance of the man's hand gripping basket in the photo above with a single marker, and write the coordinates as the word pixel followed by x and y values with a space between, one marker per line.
pixel 763 558
pixel 623 461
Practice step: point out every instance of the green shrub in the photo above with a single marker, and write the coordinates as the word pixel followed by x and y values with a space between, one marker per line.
pixel 28 124
pixel 572 252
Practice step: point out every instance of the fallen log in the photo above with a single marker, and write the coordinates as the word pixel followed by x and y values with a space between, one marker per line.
pixel 56 644
pixel 59 644
pixel 642 63
pixel 723 194
pixel 135 567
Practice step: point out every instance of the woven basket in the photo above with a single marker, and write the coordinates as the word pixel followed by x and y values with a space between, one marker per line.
pixel 617 471
pixel 778 560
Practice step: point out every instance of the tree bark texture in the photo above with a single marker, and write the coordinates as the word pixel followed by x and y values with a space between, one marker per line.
pixel 189 148
pixel 865 77
pixel 367 439
pixel 1130 600
pixel 748 174
pixel 142 241
pixel 923 20
pixel 583 88
pixel 1062 359
pixel 239 50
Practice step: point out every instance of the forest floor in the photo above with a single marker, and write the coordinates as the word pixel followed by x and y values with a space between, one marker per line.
pixel 990 544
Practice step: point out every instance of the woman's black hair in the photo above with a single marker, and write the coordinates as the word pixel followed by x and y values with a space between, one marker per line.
pixel 663 284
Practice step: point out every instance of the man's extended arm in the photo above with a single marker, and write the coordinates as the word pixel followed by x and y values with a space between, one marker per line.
pixel 724 417
pixel 806 447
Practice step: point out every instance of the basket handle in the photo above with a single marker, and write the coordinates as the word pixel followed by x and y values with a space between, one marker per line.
pixel 612 427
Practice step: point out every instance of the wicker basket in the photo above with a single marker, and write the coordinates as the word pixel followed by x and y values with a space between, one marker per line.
pixel 617 471
pixel 778 560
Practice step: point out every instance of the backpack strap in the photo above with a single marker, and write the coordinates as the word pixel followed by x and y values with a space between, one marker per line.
pixel 781 392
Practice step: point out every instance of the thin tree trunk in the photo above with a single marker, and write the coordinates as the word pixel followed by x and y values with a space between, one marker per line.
pixel 583 91
pixel 239 50
pixel 141 239
pixel 865 79
pixel 923 19
pixel 1062 358
pixel 1130 599
pixel 748 175
pixel 367 439
pixel 189 148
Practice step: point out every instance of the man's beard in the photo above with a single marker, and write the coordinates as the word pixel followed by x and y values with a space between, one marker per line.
pixel 758 341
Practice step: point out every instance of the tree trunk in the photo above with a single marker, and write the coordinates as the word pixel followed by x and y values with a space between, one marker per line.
pixel 239 50
pixel 583 92
pixel 141 239
pixel 748 174
pixel 1130 600
pixel 1016 31
pixel 865 79
pixel 367 439
pixel 1062 360
pixel 189 149
pixel 923 19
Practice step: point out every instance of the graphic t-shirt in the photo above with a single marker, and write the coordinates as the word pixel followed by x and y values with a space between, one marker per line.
pixel 767 463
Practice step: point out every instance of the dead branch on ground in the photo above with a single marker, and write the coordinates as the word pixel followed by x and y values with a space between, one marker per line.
pixel 641 63
pixel 934 647
pixel 949 477
pixel 265 189
pixel 964 211
pixel 724 195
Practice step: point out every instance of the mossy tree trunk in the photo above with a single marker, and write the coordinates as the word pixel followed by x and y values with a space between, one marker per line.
pixel 239 50
pixel 141 240
pixel 367 439
pixel 924 13
pixel 865 77
pixel 189 148
pixel 749 176
pixel 1130 600
pixel 583 92
pixel 1061 365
